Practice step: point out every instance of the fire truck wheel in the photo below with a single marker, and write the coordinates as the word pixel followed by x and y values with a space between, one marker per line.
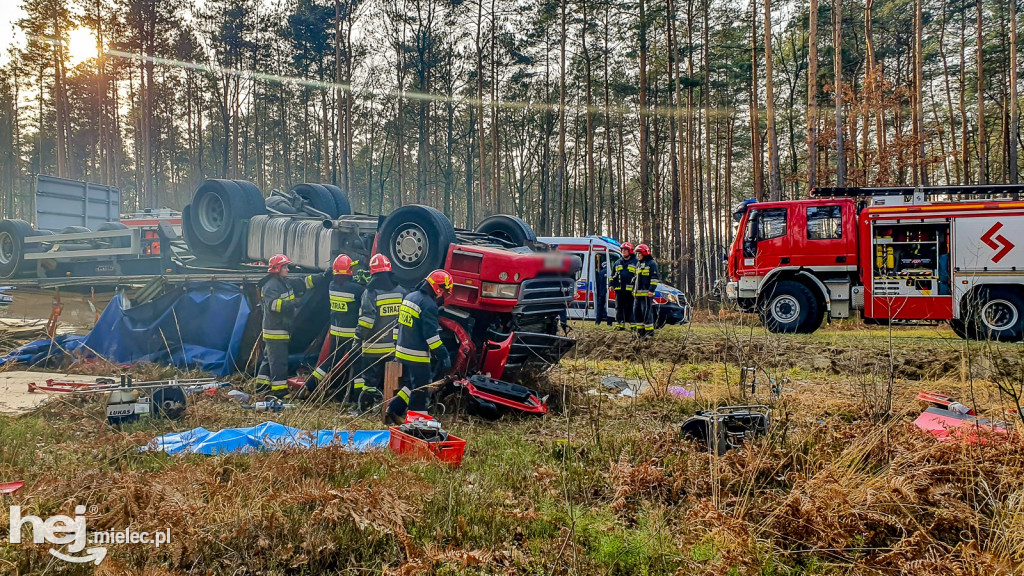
pixel 790 307
pixel 508 228
pixel 12 245
pixel 416 239
pixel 999 316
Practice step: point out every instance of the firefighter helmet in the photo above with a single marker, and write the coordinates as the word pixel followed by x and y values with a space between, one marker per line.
pixel 627 249
pixel 441 282
pixel 379 263
pixel 343 265
pixel 643 250
pixel 277 262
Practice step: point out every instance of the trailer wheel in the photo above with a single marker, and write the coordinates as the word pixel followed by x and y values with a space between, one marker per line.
pixel 74 230
pixel 318 197
pixel 255 194
pixel 790 307
pixel 999 315
pixel 12 245
pixel 416 239
pixel 340 199
pixel 120 241
pixel 508 228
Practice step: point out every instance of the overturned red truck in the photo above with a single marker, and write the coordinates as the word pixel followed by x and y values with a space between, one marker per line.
pixel 501 319
pixel 943 253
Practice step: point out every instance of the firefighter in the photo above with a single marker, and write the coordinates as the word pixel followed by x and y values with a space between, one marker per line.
pixel 378 318
pixel 417 342
pixel 345 295
pixel 622 282
pixel 644 285
pixel 279 300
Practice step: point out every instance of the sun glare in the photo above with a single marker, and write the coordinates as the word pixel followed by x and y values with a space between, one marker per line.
pixel 81 45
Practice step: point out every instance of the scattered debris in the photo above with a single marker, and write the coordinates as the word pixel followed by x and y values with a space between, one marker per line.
pixel 680 392
pixel 265 436
pixel 491 399
pixel 727 426
pixel 948 419
pixel 11 487
pixel 268 405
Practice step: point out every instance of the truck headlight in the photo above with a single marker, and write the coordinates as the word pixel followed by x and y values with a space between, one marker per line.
pixel 495 290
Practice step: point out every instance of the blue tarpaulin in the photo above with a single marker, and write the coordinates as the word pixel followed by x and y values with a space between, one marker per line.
pixel 266 436
pixel 38 350
pixel 198 326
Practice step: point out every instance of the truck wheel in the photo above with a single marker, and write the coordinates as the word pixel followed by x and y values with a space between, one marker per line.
pixel 790 307
pixel 998 316
pixel 318 197
pixel 217 205
pixel 256 199
pixel 416 239
pixel 75 230
pixel 958 327
pixel 508 228
pixel 340 199
pixel 12 245
pixel 120 241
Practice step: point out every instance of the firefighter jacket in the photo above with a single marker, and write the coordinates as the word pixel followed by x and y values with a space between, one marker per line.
pixel 346 297
pixel 624 273
pixel 378 315
pixel 279 300
pixel 417 335
pixel 647 278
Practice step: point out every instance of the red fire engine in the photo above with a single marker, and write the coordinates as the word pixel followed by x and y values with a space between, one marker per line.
pixel 951 253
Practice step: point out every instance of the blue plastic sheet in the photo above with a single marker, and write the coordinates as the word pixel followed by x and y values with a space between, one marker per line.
pixel 198 326
pixel 266 436
pixel 37 351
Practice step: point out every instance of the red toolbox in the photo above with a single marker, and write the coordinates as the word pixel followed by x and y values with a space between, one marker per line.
pixel 450 451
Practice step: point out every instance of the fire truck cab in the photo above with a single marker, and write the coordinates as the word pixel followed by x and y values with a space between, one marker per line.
pixel 951 253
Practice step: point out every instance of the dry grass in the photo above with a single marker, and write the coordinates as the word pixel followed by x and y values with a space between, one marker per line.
pixel 840 485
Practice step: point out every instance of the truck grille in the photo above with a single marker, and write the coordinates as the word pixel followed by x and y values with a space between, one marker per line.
pixel 544 296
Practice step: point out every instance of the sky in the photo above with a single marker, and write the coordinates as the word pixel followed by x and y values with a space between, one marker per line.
pixel 10 12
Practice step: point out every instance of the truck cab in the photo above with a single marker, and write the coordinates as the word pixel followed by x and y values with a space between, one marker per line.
pixel 790 260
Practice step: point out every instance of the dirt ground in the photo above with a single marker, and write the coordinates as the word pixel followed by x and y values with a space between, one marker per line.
pixel 842 483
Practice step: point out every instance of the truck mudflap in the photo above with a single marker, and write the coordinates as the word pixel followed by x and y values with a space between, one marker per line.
pixel 491 399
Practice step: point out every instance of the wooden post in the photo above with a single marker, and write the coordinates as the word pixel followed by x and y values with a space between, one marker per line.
pixel 392 374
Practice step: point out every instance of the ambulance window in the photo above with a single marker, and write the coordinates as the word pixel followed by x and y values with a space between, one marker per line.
pixel 824 223
pixel 772 223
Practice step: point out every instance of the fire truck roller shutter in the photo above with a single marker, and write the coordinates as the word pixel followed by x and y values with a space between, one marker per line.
pixel 416 239
pixel 991 313
pixel 791 307
pixel 508 228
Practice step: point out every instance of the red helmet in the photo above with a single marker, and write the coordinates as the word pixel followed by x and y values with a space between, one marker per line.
pixel 643 250
pixel 343 265
pixel 277 262
pixel 441 282
pixel 626 247
pixel 379 263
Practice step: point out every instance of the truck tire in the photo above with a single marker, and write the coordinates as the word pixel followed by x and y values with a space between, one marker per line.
pixel 12 245
pixel 254 192
pixel 416 239
pixel 318 197
pixel 340 199
pixel 508 228
pixel 790 307
pixel 958 327
pixel 999 315
pixel 75 230
pixel 120 241
pixel 217 206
